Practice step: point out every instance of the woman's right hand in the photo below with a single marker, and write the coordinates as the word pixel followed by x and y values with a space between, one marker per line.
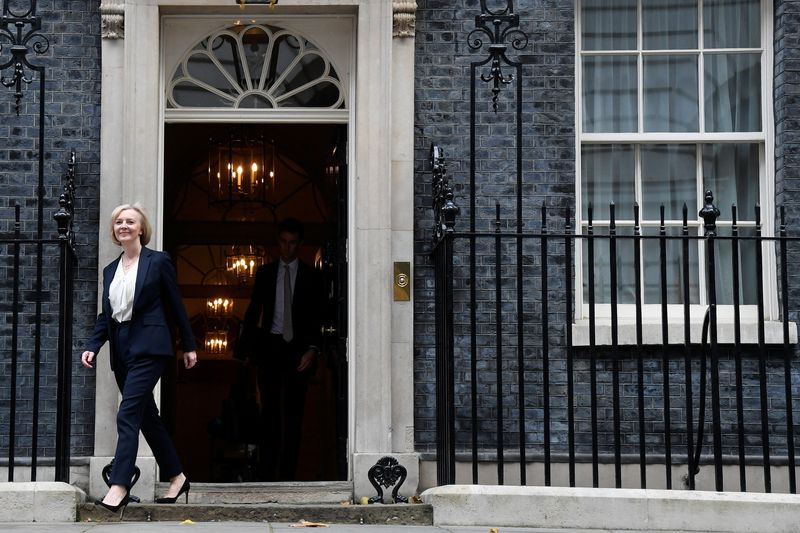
pixel 86 359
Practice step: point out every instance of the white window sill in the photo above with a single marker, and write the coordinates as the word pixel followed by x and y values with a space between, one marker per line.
pixel 651 332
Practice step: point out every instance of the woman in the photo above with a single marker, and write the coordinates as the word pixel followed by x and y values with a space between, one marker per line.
pixel 136 287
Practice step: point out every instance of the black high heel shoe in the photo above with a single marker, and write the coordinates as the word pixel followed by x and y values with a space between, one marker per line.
pixel 184 489
pixel 114 508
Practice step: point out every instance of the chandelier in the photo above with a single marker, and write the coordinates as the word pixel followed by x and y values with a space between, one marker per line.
pixel 241 168
pixel 217 341
pixel 243 261
pixel 219 307
pixel 218 312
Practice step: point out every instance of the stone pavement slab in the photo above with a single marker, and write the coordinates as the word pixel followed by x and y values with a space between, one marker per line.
pixel 267 527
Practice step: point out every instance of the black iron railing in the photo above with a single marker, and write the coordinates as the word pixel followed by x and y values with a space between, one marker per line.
pixel 32 298
pixel 33 353
pixel 514 386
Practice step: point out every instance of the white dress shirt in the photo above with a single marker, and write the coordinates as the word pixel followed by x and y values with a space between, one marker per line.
pixel 121 291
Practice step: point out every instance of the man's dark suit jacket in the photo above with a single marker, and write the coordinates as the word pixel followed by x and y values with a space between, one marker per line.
pixel 156 289
pixel 305 309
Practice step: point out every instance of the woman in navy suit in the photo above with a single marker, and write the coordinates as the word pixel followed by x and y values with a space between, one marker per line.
pixel 137 286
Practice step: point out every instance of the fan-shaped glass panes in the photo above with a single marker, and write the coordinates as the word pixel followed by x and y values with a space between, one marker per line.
pixel 255 67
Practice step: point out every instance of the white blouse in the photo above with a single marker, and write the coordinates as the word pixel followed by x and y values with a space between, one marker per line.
pixel 121 290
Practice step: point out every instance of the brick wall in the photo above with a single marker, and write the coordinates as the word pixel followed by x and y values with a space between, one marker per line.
pixel 442 96
pixel 443 117
pixel 72 122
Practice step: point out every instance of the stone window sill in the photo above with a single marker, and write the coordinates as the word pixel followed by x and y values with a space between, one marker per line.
pixel 651 332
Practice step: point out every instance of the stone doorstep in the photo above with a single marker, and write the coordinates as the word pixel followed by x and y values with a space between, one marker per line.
pixel 322 492
pixel 395 514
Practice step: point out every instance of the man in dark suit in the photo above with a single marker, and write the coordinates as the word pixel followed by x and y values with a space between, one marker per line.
pixel 282 329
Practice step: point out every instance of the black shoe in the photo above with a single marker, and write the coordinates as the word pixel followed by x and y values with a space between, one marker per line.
pixel 114 508
pixel 184 488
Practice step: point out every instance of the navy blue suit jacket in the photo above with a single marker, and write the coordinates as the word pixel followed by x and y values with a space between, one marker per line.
pixel 156 290
pixel 305 308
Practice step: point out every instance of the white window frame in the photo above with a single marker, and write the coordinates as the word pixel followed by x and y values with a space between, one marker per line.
pixel 651 313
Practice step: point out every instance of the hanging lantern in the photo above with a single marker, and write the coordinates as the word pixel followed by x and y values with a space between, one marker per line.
pixel 243 261
pixel 238 169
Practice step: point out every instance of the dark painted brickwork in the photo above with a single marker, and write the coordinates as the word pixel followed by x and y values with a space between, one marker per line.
pixel 443 116
pixel 787 125
pixel 72 108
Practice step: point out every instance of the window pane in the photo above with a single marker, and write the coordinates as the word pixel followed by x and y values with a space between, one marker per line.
pixel 226 50
pixel 609 94
pixel 733 92
pixel 670 93
pixel 201 67
pixel 607 175
pixel 732 23
pixel 255 43
pixel 601 267
pixel 188 94
pixel 608 25
pixel 669 24
pixel 669 178
pixel 673 259
pixel 731 173
pixel 746 260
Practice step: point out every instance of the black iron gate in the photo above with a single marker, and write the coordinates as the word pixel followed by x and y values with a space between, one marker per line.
pixel 38 273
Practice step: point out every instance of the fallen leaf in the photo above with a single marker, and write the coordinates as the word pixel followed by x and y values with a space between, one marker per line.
pixel 306 523
pixel 494 530
pixel 365 500
pixel 187 522
pixel 415 499
pixel 345 503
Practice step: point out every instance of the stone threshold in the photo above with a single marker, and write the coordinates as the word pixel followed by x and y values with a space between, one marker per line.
pixel 393 514
pixel 305 492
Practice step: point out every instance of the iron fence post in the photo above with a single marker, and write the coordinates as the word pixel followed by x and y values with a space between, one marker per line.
pixel 709 213
pixel 63 218
pixel 445 212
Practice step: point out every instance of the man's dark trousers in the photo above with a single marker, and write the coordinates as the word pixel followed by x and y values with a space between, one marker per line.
pixel 283 395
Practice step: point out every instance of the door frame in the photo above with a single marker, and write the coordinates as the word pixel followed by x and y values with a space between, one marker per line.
pixel 380 132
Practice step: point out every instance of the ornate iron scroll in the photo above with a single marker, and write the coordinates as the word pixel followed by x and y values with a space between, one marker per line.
pixel 106 475
pixel 21 32
pixel 444 209
pixel 387 472
pixel 501 28
pixel 66 202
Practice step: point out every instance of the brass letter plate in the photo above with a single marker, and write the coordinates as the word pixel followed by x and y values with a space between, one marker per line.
pixel 402 281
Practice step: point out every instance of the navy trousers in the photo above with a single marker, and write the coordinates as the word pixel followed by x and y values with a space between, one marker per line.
pixel 136 379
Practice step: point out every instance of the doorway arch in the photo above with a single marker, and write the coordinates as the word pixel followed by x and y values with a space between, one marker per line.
pixel 261 80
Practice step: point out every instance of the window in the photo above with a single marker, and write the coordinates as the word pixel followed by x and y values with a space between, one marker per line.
pixel 673 99
pixel 255 67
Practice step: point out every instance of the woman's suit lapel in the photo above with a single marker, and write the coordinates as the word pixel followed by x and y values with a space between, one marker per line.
pixel 108 277
pixel 141 274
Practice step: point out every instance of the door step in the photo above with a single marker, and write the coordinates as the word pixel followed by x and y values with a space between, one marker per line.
pixel 289 502
pixel 317 492
pixel 416 514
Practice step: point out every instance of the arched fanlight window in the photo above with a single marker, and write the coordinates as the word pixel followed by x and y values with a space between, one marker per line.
pixel 258 67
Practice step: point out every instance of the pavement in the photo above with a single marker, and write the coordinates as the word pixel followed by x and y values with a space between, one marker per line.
pixel 264 527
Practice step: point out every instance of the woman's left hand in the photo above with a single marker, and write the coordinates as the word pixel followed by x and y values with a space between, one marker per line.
pixel 190 359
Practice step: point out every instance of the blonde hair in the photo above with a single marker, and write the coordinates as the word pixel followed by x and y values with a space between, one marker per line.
pixel 147 230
